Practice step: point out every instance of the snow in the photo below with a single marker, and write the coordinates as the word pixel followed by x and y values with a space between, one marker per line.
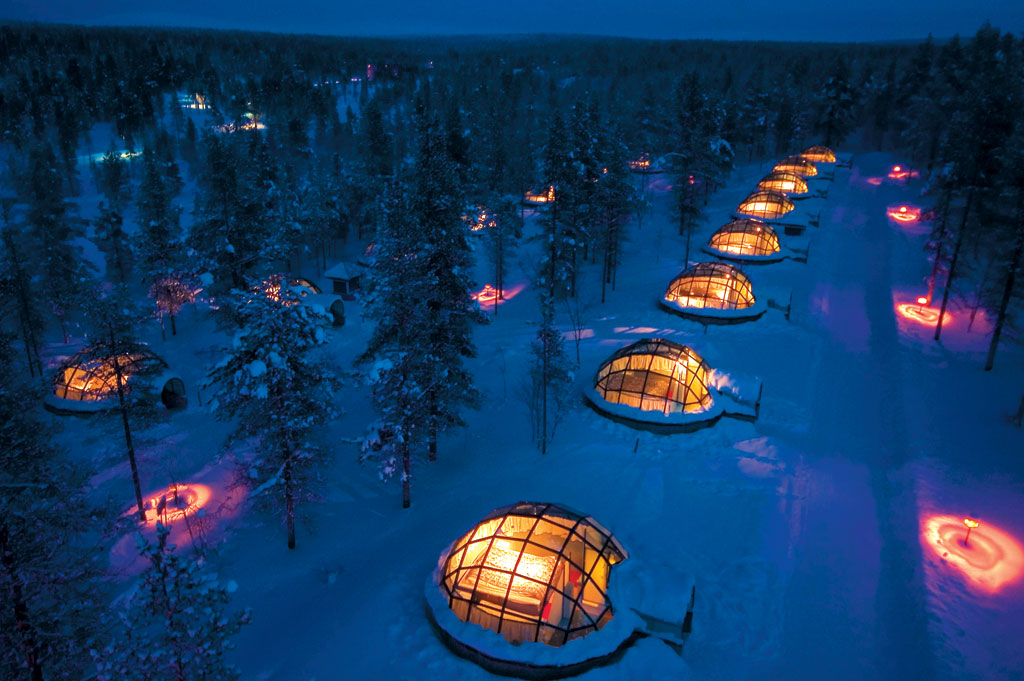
pixel 802 531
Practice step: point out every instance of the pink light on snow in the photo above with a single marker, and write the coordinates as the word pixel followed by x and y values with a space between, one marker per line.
pixel 989 560
pixel 905 213
pixel 874 181
pixel 929 316
pixel 488 295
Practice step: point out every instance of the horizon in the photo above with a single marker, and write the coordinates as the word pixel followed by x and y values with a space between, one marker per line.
pixel 747 20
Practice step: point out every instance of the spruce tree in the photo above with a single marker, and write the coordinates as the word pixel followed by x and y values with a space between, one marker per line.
pixel 46 572
pixel 175 625
pixel 279 394
pixel 447 261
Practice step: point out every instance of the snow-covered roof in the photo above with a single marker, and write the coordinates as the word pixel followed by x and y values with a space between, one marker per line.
pixel 344 271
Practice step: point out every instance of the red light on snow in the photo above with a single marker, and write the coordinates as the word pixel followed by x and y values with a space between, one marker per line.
pixel 929 316
pixel 989 557
pixel 175 502
pixel 876 181
pixel 905 213
pixel 901 173
pixel 488 295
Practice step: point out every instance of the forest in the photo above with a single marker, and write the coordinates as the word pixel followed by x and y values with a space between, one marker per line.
pixel 232 159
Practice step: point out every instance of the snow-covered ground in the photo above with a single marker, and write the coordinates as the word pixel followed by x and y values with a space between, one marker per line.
pixel 805 531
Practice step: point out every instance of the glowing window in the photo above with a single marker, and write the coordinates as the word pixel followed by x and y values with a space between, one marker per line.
pixel 712 285
pixel 655 375
pixel 766 204
pixel 533 572
pixel 745 237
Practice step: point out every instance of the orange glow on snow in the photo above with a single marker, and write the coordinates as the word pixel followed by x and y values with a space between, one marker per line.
pixel 990 559
pixel 901 173
pixel 929 316
pixel 179 500
pixel 875 181
pixel 905 213
pixel 488 295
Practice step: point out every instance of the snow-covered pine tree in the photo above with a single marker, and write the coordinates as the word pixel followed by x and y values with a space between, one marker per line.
pixel 45 570
pixel 116 246
pixel 113 320
pixel 558 245
pixel 445 292
pixel 113 176
pixel 63 272
pixel 615 199
pixel 157 241
pixel 18 297
pixel 398 347
pixel 279 394
pixel 502 238
pixel 550 376
pixel 175 625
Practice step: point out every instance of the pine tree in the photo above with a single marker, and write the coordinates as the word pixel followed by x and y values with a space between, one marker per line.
pixel 113 323
pixel 17 283
pixel 398 346
pixel 175 625
pixel 279 395
pixel 45 570
pixel 447 261
pixel 158 236
pixel 63 272
pixel 113 176
pixel 835 110
pixel 171 293
pixel 116 246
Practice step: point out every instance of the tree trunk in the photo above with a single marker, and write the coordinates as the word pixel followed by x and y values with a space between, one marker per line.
pixel 406 475
pixel 952 264
pixel 21 621
pixel 123 407
pixel 1011 278
pixel 289 500
pixel 174 327
pixel 544 393
pixel 432 428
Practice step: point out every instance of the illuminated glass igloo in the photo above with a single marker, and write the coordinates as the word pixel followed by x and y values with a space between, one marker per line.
pixel 787 183
pixel 798 165
pixel 766 204
pixel 713 291
pixel 656 382
pixel 528 591
pixel 87 381
pixel 818 154
pixel 745 240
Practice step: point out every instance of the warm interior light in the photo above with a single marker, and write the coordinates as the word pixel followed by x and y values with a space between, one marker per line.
pixel 990 560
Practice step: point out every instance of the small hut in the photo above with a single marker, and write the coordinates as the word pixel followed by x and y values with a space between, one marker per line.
pixel 345 279
pixel 713 291
pixel 747 240
pixel 766 204
pixel 796 165
pixel 818 154
pixel 787 183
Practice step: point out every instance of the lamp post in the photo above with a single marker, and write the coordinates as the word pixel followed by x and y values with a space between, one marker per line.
pixel 971 524
pixel 921 302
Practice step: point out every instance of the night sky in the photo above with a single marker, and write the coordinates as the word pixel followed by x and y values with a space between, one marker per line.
pixel 856 20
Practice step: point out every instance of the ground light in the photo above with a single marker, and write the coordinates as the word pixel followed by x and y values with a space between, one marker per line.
pixel 902 173
pixel 905 213
pixel 176 502
pixel 992 559
pixel 971 524
pixel 922 314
